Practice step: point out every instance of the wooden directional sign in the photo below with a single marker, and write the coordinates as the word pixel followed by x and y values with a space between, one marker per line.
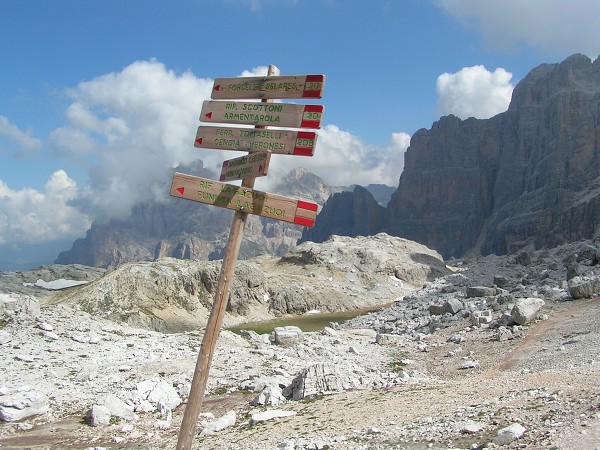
pixel 298 86
pixel 283 142
pixel 248 200
pixel 255 164
pixel 256 113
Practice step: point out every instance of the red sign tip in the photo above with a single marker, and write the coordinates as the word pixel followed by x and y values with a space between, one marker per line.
pixel 217 87
pixel 181 190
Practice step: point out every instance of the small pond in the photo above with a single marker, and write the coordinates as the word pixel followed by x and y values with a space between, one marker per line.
pixel 306 322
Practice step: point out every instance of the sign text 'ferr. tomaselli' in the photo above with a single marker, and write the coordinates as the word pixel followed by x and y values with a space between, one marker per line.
pixel 284 142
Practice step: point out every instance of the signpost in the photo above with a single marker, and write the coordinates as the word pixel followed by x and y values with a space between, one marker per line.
pixel 254 113
pixel 244 199
pixel 283 142
pixel 253 165
pixel 238 198
pixel 299 86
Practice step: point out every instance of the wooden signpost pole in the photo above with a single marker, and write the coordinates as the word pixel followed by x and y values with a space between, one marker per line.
pixel 215 320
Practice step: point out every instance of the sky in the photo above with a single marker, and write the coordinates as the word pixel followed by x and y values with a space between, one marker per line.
pixel 100 99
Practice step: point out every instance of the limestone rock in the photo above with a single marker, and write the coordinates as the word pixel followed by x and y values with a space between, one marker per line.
pixel 287 336
pixel 315 380
pixel 159 392
pixel 584 287
pixel 527 177
pixel 22 405
pixel 526 310
pixel 480 291
pixel 98 415
pixel 270 395
pixel 15 305
pixel 509 434
pixel 226 420
pixel 118 407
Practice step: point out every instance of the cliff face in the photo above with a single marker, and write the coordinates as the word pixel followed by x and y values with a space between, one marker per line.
pixel 355 213
pixel 190 230
pixel 528 176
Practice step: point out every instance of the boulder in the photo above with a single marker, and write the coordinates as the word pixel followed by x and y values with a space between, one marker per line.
pixel 22 405
pixel 584 287
pixel 226 420
pixel 118 408
pixel 270 395
pixel 98 415
pixel 479 318
pixel 480 291
pixel 159 392
pixel 526 310
pixel 318 379
pixel 287 336
pixel 509 434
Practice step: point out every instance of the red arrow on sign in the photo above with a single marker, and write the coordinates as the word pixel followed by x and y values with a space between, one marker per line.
pixel 217 87
pixel 199 141
pixel 181 190
pixel 209 115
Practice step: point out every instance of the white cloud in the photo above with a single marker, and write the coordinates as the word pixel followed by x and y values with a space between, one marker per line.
pixel 131 127
pixel 342 159
pixel 474 92
pixel 27 143
pixel 31 217
pixel 550 25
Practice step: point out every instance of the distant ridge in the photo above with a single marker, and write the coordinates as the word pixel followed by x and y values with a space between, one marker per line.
pixel 189 230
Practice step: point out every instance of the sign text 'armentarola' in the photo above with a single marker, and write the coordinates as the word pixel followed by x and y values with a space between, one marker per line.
pixel 269 114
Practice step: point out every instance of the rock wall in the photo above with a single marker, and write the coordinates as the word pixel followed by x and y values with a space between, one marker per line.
pixel 529 177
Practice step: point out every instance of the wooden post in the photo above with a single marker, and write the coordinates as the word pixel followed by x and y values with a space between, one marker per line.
pixel 187 431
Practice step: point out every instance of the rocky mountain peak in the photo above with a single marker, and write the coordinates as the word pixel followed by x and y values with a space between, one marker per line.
pixel 528 177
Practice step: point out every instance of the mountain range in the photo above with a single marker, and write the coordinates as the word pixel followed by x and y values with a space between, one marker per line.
pixel 525 178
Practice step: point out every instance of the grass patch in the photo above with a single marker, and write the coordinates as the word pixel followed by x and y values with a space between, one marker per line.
pixel 396 363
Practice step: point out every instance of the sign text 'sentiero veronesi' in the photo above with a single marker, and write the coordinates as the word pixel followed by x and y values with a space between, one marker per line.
pixel 283 142
pixel 238 198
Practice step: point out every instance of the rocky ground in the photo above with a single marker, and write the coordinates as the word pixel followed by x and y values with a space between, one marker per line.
pixel 495 352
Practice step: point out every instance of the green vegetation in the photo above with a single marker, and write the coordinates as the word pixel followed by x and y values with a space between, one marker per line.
pixel 396 363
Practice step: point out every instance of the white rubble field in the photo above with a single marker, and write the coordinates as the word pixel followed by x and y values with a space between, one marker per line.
pixel 129 385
